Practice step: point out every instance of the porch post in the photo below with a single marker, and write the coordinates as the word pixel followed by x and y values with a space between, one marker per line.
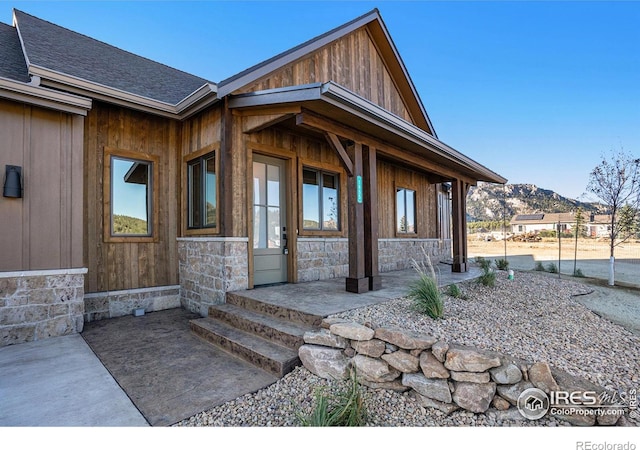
pixel 371 218
pixel 356 281
pixel 459 204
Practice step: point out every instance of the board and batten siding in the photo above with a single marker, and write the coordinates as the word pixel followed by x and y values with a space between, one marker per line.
pixel 42 230
pixel 342 62
pixel 128 263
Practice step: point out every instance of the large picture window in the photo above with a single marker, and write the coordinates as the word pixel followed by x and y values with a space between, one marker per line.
pixel 201 192
pixel 320 200
pixel 129 196
pixel 405 211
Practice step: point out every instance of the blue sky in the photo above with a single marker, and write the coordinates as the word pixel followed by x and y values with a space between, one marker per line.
pixel 536 91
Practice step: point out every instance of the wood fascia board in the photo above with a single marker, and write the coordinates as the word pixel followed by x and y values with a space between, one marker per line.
pixel 47 98
pixel 335 143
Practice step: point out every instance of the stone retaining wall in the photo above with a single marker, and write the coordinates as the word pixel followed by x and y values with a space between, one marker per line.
pixel 107 305
pixel 437 374
pixel 40 304
pixel 209 267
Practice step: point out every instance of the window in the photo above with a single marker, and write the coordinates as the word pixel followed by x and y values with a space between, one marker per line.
pixel 320 199
pixel 130 191
pixel 405 211
pixel 201 192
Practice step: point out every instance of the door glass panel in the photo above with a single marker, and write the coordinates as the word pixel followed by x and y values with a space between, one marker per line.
pixel 274 227
pixel 259 184
pixel 273 185
pixel 259 226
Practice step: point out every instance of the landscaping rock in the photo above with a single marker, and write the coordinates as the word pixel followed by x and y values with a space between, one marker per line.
pixel 436 389
pixel 500 403
pixel 431 367
pixel 353 331
pixel 474 397
pixel 328 321
pixel 390 348
pixel 471 377
pixel 511 392
pixel 577 419
pixel 402 361
pixel 405 339
pixel 375 370
pixel 439 350
pixel 326 338
pixel 374 348
pixel 541 377
pixel 325 362
pixel 608 420
pixel 467 359
pixel 427 402
pixel 395 385
pixel 506 374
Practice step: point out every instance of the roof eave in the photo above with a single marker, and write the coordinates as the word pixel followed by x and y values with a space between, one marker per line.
pixel 354 104
pixel 47 98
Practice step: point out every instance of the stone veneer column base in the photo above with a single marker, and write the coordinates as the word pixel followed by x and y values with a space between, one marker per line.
pixel 397 254
pixel 209 268
pixel 39 304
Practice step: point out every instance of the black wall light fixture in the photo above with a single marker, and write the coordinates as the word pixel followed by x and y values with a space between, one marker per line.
pixel 13 182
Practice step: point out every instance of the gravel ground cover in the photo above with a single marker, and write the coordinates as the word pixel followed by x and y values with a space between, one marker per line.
pixel 533 317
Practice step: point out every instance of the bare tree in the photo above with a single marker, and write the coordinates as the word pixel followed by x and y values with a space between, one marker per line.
pixel 616 182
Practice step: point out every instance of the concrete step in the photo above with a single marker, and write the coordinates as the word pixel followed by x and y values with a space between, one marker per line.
pixel 267 355
pixel 282 332
pixel 246 301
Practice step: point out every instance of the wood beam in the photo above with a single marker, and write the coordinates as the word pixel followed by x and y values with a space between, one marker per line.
pixel 335 143
pixel 459 204
pixel 226 172
pixel 357 281
pixel 253 124
pixel 370 175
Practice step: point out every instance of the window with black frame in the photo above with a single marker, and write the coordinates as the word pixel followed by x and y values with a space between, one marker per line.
pixel 201 192
pixel 320 200
pixel 405 211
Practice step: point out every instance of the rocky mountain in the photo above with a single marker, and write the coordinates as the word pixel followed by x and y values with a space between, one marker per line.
pixel 485 202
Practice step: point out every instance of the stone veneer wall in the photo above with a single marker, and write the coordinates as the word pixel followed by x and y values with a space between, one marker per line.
pixel 40 304
pixel 437 374
pixel 325 258
pixel 107 305
pixel 209 267
pixel 396 254
pixel 322 258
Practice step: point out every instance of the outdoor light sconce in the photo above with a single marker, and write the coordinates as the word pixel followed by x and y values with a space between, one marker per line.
pixel 12 182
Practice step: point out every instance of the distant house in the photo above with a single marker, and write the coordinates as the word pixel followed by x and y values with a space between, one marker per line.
pixel 599 225
pixel 144 186
pixel 534 223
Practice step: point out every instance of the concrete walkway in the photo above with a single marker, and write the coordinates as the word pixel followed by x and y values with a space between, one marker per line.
pixel 60 382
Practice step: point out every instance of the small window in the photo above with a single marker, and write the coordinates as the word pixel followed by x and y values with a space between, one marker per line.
pixel 405 211
pixel 201 192
pixel 320 200
pixel 131 197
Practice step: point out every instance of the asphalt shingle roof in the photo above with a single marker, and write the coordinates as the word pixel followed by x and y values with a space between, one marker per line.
pixel 56 48
pixel 12 63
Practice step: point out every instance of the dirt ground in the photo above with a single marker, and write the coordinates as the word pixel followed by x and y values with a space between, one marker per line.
pixel 620 303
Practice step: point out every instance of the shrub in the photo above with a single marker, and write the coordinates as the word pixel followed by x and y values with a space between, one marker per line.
pixel 578 273
pixel 502 264
pixel 484 264
pixel 539 267
pixel 488 278
pixel 453 290
pixel 552 268
pixel 342 408
pixel 426 297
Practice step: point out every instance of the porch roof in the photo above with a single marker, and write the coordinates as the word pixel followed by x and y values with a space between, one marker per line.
pixel 355 112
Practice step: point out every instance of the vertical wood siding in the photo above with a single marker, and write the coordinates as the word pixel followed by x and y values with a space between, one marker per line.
pixel 42 230
pixel 128 265
pixel 342 62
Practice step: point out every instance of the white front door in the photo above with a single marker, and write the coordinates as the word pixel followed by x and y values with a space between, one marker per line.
pixel 269 221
